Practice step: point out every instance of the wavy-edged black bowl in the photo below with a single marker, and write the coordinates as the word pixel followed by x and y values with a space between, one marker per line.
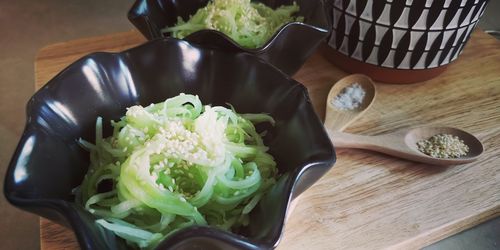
pixel 48 163
pixel 288 49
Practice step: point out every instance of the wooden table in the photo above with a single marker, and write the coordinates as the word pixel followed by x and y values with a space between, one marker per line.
pixel 369 200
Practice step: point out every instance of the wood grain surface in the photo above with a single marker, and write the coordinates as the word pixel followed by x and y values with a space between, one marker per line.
pixel 369 200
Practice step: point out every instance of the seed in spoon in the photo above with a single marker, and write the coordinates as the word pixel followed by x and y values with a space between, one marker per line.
pixel 443 146
pixel 350 97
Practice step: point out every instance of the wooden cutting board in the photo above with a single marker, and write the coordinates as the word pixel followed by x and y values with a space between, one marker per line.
pixel 369 200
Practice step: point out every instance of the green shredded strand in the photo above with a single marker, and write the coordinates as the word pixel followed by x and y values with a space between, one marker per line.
pixel 250 24
pixel 175 164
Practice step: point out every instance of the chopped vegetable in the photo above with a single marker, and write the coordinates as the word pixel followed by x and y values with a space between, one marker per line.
pixel 175 164
pixel 251 25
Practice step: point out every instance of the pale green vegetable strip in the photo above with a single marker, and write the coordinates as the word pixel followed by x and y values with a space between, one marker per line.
pixel 175 164
pixel 250 24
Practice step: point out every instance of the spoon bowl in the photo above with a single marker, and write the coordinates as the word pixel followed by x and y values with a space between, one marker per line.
pixel 337 119
pixel 403 144
pixel 422 133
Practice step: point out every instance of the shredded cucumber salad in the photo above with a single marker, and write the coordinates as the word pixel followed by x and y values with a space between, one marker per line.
pixel 175 164
pixel 250 24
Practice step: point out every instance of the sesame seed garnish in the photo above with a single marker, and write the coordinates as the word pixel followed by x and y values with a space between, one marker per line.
pixel 443 146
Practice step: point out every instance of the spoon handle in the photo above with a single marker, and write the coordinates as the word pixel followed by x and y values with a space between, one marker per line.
pixel 391 144
pixel 346 140
pixel 337 122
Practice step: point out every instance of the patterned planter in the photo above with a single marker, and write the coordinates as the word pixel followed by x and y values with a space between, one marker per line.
pixel 400 41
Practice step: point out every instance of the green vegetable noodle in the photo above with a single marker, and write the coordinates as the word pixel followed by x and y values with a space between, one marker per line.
pixel 175 164
pixel 251 25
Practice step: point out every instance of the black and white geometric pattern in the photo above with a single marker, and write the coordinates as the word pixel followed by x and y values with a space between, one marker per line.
pixel 403 34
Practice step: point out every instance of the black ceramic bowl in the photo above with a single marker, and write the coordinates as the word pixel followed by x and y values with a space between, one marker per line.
pixel 288 49
pixel 48 163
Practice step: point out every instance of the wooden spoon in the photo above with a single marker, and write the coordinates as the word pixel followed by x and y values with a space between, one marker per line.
pixel 403 144
pixel 336 119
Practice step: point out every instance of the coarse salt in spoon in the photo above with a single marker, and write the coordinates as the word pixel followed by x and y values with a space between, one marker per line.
pixel 341 113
